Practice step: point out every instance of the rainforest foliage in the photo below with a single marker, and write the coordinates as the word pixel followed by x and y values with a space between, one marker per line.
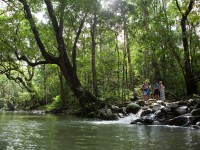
pixel 71 53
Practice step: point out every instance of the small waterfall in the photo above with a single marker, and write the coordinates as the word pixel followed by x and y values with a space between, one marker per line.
pixel 128 119
pixel 124 120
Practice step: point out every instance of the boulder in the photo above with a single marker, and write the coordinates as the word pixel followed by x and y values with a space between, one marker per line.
pixel 120 110
pixel 132 108
pixel 195 127
pixel 198 123
pixel 143 121
pixel 136 121
pixel 170 115
pixel 106 114
pixel 147 121
pixel 182 103
pixel 161 102
pixel 109 112
pixel 116 109
pixel 195 119
pixel 156 107
pixel 113 107
pixel 141 102
pixel 197 105
pixel 145 112
pixel 166 109
pixel 159 113
pixel 181 110
pixel 173 105
pixel 159 116
pixel 195 112
pixel 179 121
pixel 192 102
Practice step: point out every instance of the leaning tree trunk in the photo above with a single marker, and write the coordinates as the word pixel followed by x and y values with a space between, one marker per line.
pixel 84 96
pixel 191 85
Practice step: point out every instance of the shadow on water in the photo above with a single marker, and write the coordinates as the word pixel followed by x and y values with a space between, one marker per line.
pixel 32 131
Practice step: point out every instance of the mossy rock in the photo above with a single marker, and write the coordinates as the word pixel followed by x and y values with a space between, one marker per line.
pixel 132 108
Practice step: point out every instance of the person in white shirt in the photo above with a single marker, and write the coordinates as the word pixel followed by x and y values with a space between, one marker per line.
pixel 162 91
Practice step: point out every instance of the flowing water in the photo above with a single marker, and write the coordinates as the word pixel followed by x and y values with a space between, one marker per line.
pixel 23 131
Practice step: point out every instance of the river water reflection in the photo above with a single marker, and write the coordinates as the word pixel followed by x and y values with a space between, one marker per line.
pixel 23 131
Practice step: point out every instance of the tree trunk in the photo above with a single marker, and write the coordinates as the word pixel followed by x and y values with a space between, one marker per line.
pixel 118 63
pixel 62 91
pixel 83 95
pixel 45 85
pixel 94 74
pixel 129 63
pixel 156 68
pixel 189 77
pixel 191 84
pixel 75 43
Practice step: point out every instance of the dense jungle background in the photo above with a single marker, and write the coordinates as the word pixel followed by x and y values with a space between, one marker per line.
pixel 75 53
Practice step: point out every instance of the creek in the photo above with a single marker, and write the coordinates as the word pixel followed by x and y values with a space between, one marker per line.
pixel 27 131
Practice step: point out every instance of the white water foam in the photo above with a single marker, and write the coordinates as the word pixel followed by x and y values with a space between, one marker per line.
pixel 126 120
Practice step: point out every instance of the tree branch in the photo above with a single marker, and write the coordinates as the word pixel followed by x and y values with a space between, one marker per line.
pixel 18 80
pixel 23 79
pixel 58 31
pixel 190 6
pixel 47 56
pixel 177 4
pixel 24 58
pixel 52 16
pixel 75 42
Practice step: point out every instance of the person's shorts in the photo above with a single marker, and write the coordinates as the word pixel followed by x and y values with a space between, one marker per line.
pixel 148 92
pixel 156 92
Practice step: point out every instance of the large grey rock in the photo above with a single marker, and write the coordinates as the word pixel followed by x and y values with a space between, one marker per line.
pixel 156 107
pixel 190 101
pixel 198 123
pixel 172 105
pixel 158 113
pixel 166 109
pixel 181 110
pixel 144 112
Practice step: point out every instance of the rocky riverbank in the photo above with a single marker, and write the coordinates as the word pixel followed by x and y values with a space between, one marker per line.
pixel 185 113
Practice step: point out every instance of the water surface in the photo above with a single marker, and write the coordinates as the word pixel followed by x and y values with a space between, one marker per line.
pixel 23 131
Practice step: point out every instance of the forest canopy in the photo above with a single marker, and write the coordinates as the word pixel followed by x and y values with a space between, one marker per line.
pixel 64 53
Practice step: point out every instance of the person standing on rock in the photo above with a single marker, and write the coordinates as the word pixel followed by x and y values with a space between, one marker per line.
pixel 156 91
pixel 145 90
pixel 162 91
